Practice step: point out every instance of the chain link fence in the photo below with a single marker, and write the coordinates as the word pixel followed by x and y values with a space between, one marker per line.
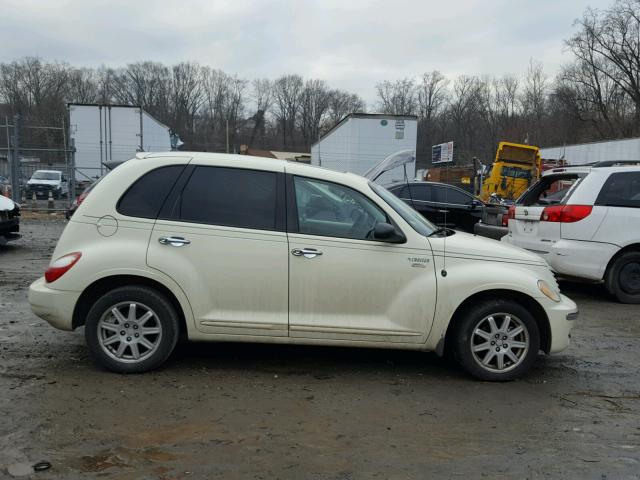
pixel 37 165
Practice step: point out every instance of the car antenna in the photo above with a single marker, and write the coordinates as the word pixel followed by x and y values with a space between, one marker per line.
pixel 406 180
pixel 443 272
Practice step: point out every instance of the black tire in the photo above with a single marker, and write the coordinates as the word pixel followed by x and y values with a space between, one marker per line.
pixel 623 278
pixel 473 317
pixel 165 318
pixel 56 195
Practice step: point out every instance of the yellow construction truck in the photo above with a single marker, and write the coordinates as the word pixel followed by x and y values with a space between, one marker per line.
pixel 516 166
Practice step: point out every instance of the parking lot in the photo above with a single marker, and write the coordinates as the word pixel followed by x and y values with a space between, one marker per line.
pixel 269 411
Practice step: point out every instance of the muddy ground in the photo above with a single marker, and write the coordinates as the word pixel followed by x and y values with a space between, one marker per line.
pixel 267 411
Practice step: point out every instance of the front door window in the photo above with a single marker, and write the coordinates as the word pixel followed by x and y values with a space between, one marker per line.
pixel 333 210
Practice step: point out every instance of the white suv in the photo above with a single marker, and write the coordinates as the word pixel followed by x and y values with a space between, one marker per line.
pixel 585 222
pixel 236 248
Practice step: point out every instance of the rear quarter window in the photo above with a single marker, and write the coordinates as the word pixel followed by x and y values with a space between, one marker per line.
pixel 621 189
pixel 145 197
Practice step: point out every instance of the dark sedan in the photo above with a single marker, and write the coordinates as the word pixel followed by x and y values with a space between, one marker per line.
pixel 442 204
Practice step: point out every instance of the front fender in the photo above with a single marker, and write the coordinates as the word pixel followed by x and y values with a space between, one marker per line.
pixel 466 278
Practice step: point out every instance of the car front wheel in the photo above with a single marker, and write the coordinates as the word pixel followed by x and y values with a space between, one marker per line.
pixel 497 340
pixel 131 329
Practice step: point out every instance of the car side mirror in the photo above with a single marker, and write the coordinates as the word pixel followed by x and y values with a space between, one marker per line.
pixel 386 232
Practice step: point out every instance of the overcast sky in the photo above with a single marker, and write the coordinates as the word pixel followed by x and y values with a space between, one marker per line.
pixel 350 43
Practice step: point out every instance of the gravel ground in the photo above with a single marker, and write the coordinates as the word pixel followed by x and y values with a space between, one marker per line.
pixel 268 411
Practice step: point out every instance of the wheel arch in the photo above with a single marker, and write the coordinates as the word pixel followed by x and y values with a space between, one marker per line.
pixel 106 284
pixel 530 303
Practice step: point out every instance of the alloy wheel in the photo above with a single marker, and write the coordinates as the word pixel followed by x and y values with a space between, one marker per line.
pixel 129 332
pixel 499 342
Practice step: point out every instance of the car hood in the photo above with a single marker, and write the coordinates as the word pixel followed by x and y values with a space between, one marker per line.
pixel 43 182
pixel 6 203
pixel 465 245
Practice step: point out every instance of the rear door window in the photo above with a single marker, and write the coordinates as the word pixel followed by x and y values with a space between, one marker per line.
pixel 231 197
pixel 145 197
pixel 621 190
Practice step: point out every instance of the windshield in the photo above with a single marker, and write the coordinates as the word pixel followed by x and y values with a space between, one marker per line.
pixel 40 175
pixel 413 218
pixel 516 172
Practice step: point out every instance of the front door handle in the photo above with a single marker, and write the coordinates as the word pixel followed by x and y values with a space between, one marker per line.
pixel 305 252
pixel 174 241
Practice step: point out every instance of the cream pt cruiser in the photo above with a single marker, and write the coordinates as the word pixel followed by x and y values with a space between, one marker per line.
pixel 234 248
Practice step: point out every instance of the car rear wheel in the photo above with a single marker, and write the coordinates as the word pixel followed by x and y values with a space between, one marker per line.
pixel 131 329
pixel 497 340
pixel 623 278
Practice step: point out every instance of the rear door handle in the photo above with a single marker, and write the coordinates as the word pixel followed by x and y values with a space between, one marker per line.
pixel 174 241
pixel 305 252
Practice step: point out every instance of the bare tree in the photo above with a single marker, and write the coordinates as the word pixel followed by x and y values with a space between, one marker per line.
pixel 82 86
pixel 187 95
pixel 534 100
pixel 397 98
pixel 432 94
pixel 262 94
pixel 286 91
pixel 607 48
pixel 341 104
pixel 314 104
pixel 147 84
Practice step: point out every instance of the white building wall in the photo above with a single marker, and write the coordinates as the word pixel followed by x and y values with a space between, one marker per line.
pixel 112 133
pixel 360 143
pixel 581 154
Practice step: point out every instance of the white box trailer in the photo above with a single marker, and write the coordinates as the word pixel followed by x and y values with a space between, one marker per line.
pixel 361 140
pixel 112 133
pixel 584 153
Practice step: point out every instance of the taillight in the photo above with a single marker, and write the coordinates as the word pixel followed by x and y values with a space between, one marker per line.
pixel 565 213
pixel 511 213
pixel 552 214
pixel 61 266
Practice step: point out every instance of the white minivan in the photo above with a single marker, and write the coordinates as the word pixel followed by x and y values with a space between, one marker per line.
pixel 585 222
pixel 223 247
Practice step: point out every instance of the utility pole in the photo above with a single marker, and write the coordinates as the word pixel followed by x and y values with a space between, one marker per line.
pixel 15 160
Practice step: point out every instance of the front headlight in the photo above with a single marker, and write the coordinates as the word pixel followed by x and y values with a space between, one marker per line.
pixel 549 291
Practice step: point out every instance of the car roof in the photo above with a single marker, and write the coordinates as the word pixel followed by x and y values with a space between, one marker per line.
pixel 617 167
pixel 249 161
pixel 567 170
